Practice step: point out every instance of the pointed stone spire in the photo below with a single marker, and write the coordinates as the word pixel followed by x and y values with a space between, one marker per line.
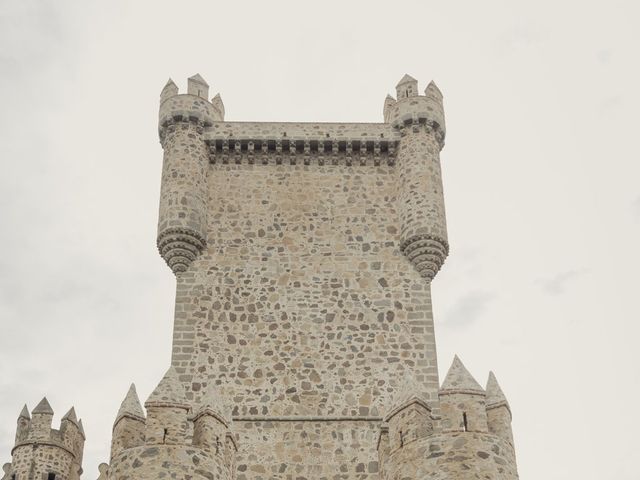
pixel 169 90
pixel 495 395
pixel 197 86
pixel 459 379
pixel 43 408
pixel 130 406
pixel 24 413
pixel 406 79
pixel 432 90
pixel 407 87
pixel 169 392
pixel 71 416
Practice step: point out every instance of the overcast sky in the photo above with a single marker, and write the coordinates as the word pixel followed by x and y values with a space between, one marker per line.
pixel 541 175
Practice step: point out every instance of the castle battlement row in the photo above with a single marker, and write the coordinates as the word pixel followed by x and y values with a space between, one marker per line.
pixel 304 344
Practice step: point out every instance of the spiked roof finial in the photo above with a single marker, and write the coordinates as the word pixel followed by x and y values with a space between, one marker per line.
pixel 169 392
pixel 495 395
pixel 71 416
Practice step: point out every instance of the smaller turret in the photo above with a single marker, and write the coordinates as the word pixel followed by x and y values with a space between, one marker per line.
pixel 22 429
pixel 197 86
pixel 42 416
pixel 407 87
pixel 167 412
pixel 129 425
pixel 498 410
pixel 218 107
pixel 462 401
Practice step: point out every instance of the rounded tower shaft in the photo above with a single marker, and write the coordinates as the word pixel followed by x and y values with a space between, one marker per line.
pixel 420 120
pixel 182 223
pixel 498 410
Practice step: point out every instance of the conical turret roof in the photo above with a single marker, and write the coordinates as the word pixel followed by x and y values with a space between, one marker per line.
pixel 459 378
pixel 71 416
pixel 24 413
pixel 170 83
pixel 495 395
pixel 130 406
pixel 407 79
pixel 169 392
pixel 43 408
pixel 81 428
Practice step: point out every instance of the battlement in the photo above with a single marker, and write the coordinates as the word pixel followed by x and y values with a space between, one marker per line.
pixel 170 433
pixel 52 451
pixel 473 423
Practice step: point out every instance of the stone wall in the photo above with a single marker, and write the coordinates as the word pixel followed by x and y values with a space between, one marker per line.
pixel 302 305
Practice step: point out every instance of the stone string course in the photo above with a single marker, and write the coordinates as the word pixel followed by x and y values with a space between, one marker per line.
pixel 303 343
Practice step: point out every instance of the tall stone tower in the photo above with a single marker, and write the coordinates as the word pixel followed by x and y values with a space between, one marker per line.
pixel 304 255
pixel 303 344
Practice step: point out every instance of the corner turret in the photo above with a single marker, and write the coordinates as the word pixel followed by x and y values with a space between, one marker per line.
pixel 182 222
pixel 43 452
pixel 420 122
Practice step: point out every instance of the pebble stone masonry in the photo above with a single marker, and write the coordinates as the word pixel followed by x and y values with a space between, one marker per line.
pixel 303 344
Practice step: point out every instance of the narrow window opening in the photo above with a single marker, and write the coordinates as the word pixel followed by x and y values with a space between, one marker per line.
pixel 465 426
pixel 401 439
pixel 51 476
pixel 14 476
pixel 199 93
pixel 164 435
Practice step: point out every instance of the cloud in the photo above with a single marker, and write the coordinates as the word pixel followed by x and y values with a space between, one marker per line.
pixel 468 308
pixel 557 284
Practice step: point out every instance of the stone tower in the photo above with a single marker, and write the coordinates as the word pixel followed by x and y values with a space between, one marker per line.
pixel 303 344
pixel 304 255
pixel 42 452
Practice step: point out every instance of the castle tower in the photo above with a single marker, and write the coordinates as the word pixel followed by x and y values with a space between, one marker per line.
pixel 168 441
pixel 41 452
pixel 420 122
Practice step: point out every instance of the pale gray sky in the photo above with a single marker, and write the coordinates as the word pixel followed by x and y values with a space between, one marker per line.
pixel 541 172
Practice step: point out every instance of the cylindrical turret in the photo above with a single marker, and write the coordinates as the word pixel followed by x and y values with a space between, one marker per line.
pixel 129 426
pixel 420 120
pixel 182 223
pixel 42 452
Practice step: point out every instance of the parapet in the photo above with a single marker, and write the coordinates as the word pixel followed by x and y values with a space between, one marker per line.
pixel 174 435
pixel 190 107
pixel 411 109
